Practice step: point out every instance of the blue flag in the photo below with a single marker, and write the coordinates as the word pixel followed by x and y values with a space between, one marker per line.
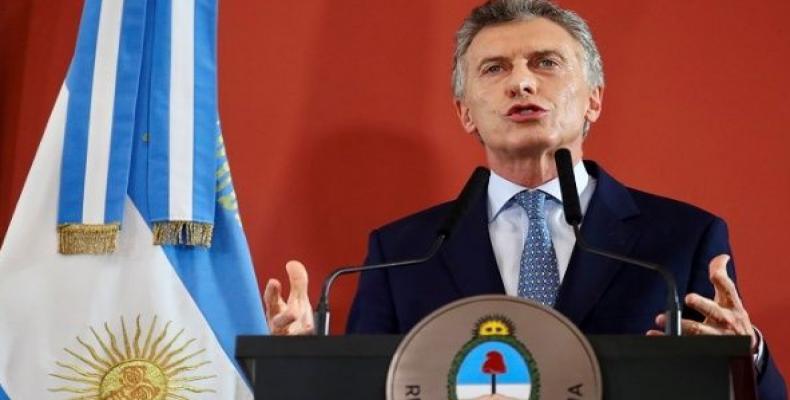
pixel 125 266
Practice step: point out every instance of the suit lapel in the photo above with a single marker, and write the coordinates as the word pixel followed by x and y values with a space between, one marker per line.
pixel 606 226
pixel 468 255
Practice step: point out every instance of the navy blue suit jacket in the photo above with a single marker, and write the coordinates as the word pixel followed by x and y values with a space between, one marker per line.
pixel 599 295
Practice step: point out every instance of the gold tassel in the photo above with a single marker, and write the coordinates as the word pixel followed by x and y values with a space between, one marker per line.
pixel 187 233
pixel 87 239
pixel 199 234
pixel 168 232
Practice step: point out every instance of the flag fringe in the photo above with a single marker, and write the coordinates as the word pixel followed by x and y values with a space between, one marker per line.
pixel 88 238
pixel 188 233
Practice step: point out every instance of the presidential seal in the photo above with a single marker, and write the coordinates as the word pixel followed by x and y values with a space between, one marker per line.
pixel 517 349
pixel 145 364
pixel 494 362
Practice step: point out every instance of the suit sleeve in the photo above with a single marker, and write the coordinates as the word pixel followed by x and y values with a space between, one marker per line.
pixel 715 241
pixel 372 311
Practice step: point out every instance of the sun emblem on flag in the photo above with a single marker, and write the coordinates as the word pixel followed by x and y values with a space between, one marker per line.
pixel 146 364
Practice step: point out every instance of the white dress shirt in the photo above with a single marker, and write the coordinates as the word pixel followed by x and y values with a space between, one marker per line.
pixel 507 223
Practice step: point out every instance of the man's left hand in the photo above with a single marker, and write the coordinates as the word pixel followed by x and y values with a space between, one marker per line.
pixel 724 315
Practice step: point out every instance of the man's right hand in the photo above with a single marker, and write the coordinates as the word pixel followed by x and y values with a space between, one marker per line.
pixel 292 317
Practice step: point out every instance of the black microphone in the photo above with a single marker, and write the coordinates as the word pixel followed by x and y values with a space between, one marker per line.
pixel 573 215
pixel 473 188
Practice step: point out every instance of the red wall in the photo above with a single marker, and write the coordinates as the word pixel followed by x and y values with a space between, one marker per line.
pixel 338 118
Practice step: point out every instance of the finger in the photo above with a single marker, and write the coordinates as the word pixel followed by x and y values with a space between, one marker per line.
pixel 281 322
pixel 306 314
pixel 690 327
pixel 272 299
pixel 726 291
pixel 288 323
pixel 655 332
pixel 297 277
pixel 303 330
pixel 661 321
pixel 714 312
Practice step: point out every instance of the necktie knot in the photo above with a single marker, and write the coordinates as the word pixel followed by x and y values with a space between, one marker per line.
pixel 533 203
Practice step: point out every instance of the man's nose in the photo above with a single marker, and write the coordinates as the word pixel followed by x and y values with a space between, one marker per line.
pixel 522 82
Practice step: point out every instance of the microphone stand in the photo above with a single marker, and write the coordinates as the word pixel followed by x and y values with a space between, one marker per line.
pixel 573 216
pixel 322 314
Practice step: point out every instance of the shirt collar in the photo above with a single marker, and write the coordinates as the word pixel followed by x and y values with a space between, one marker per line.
pixel 501 190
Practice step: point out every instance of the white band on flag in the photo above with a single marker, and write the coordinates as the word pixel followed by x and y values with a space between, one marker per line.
pixel 182 106
pixel 101 112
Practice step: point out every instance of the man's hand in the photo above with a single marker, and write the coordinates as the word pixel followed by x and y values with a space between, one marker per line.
pixel 294 317
pixel 724 315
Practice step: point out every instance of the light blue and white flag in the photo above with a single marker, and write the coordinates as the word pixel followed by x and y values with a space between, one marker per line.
pixel 155 58
pixel 130 143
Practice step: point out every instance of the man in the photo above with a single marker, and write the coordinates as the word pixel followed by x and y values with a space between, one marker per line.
pixel 527 81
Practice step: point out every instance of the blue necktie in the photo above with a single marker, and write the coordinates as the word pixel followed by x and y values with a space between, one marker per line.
pixel 539 276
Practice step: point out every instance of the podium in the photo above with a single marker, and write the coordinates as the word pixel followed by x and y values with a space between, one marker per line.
pixel 633 367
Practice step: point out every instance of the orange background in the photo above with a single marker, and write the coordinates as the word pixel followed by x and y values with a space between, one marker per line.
pixel 338 118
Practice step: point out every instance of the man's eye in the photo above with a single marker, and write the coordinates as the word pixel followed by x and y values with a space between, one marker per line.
pixel 492 69
pixel 547 63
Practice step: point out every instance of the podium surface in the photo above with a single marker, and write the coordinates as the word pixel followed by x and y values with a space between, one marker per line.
pixel 633 367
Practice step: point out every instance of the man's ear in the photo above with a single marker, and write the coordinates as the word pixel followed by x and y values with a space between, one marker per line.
pixel 462 111
pixel 595 104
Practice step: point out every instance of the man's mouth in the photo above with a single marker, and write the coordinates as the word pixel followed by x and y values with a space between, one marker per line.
pixel 526 112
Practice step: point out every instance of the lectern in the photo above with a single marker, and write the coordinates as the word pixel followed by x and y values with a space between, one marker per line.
pixel 632 367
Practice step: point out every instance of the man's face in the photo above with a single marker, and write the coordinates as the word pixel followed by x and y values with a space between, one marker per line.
pixel 525 90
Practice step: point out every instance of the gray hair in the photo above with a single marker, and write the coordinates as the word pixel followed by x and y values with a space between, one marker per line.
pixel 500 11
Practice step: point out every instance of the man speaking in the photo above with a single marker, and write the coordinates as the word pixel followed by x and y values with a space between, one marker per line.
pixel 528 80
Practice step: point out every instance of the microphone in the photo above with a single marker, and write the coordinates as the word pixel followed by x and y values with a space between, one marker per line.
pixel 573 216
pixel 473 188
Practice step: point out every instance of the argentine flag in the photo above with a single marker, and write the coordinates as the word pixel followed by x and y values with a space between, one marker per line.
pixel 132 155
